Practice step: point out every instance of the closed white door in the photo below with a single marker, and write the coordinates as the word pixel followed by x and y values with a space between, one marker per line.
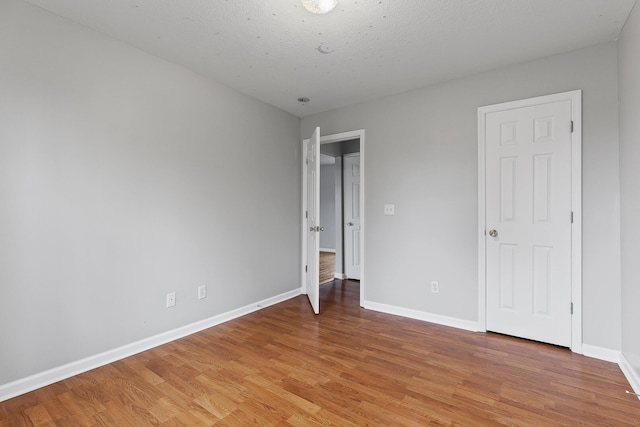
pixel 313 219
pixel 352 240
pixel 528 222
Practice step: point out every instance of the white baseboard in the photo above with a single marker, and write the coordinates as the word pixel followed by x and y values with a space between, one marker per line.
pixel 328 250
pixel 340 276
pixel 601 353
pixel 632 375
pixel 33 382
pixel 423 315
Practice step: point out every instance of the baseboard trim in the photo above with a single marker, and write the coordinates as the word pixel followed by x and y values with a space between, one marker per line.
pixel 632 375
pixel 601 353
pixel 36 381
pixel 423 315
pixel 340 276
pixel 333 251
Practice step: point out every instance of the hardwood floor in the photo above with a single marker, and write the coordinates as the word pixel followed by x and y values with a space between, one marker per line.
pixel 327 267
pixel 283 366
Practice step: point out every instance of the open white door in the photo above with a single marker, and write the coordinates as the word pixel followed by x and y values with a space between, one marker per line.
pixel 313 218
pixel 351 177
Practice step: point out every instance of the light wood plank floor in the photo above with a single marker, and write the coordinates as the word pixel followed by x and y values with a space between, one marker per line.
pixel 283 366
pixel 327 268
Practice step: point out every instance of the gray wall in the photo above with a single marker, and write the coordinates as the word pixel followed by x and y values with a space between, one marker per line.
pixel 124 177
pixel 421 155
pixel 629 89
pixel 328 206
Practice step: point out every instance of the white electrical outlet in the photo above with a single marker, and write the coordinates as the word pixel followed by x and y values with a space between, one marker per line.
pixel 202 292
pixel 389 209
pixel 171 299
pixel 435 288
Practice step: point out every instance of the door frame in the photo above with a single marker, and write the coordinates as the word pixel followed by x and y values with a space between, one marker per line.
pixel 576 205
pixel 328 139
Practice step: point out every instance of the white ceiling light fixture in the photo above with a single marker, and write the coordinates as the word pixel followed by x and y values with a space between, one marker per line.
pixel 319 6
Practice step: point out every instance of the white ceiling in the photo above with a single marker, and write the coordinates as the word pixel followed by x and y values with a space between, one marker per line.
pixel 276 51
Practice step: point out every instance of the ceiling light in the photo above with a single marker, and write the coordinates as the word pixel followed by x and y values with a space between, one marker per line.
pixel 319 6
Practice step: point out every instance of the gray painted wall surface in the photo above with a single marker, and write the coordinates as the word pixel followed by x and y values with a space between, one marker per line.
pixel 124 177
pixel 421 155
pixel 328 206
pixel 629 89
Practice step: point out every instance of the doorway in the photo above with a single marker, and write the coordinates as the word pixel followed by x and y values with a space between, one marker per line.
pixel 331 144
pixel 330 216
pixel 529 174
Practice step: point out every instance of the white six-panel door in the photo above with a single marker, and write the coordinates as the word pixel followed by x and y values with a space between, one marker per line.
pixel 352 240
pixel 313 220
pixel 528 167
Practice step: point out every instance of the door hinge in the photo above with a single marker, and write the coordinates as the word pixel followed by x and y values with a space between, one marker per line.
pixel 306 268
pixel 306 215
pixel 571 217
pixel 571 126
pixel 306 161
pixel 571 308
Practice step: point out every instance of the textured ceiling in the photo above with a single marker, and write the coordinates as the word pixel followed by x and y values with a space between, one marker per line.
pixel 277 51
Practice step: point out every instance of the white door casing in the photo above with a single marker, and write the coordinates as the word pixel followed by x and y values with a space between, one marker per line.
pixel 313 219
pixel 351 219
pixel 529 194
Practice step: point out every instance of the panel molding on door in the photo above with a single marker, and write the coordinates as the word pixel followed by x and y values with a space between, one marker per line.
pixel 529 234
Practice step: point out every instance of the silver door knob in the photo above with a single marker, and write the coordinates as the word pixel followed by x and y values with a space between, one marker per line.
pixel 493 233
pixel 320 228
pixel 349 224
pixel 312 229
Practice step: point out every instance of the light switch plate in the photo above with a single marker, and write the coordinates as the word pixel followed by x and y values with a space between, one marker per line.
pixel 389 209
